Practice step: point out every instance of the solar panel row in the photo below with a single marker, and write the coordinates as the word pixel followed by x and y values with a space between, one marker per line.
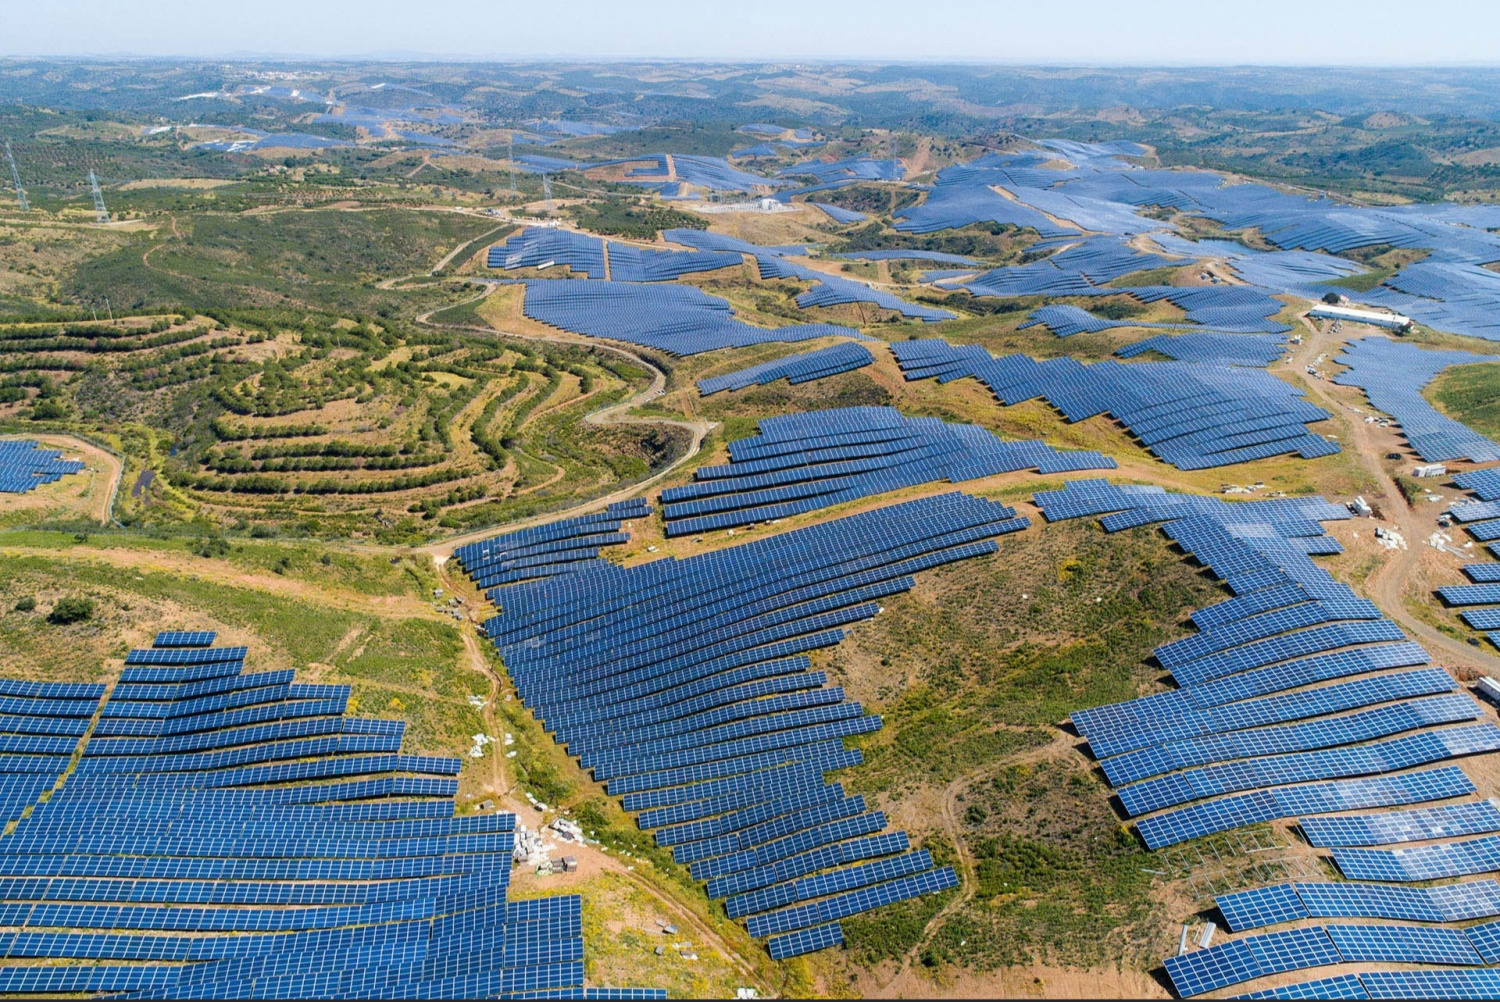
pixel 1240 960
pixel 25 466
pixel 1254 730
pixel 685 685
pixel 1191 415
pixel 802 462
pixel 801 368
pixel 144 877
pixel 1289 902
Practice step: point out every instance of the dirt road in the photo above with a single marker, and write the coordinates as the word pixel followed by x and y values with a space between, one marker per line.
pixel 614 414
pixel 1388 585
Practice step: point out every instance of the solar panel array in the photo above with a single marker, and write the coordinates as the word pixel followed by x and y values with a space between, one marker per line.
pixel 685 686
pixel 239 836
pixel 537 246
pixel 715 173
pixel 25 466
pixel 839 214
pixel 846 170
pixel 677 319
pixel 1245 738
pixel 828 290
pixel 1482 520
pixel 1241 960
pixel 1280 903
pixel 1417 825
pixel 802 368
pixel 1212 348
pixel 906 255
pixel 802 462
pixel 547 550
pixel 1393 373
pixel 1191 415
pixel 1098 190
pixel 1296 699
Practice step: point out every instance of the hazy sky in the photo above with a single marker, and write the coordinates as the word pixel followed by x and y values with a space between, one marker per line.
pixel 1202 32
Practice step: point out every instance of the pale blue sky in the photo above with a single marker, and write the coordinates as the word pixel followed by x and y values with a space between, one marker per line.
pixel 1201 32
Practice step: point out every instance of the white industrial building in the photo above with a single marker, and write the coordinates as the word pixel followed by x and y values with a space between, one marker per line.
pixel 1394 321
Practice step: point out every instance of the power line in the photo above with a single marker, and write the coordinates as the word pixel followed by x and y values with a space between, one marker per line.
pixel 15 176
pixel 510 155
pixel 101 214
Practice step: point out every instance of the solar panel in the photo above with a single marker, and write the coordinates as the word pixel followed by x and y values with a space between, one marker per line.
pixel 1343 986
pixel 233 812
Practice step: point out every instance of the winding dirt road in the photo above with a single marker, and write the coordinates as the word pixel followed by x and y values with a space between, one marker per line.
pixel 614 414
pixel 1387 586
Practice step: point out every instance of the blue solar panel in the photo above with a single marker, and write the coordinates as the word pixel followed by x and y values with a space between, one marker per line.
pixel 1344 986
pixel 685 684
pixel 1402 826
pixel 803 462
pixel 1460 984
pixel 1191 415
pixel 802 368
pixel 25 466
pixel 165 848
pixel 678 319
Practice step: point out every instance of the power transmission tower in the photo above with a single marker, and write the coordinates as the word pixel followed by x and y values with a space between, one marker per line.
pixel 15 176
pixel 101 214
pixel 510 155
pixel 547 187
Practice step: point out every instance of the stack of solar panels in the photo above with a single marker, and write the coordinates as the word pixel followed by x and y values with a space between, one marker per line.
pixel 803 462
pixel 232 835
pixel 1243 739
pixel 547 550
pixel 677 319
pixel 685 686
pixel 1191 415
pixel 830 290
pixel 1393 373
pixel 803 368
pixel 25 466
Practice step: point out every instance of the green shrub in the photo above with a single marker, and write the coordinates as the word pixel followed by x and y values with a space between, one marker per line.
pixel 25 603
pixel 71 609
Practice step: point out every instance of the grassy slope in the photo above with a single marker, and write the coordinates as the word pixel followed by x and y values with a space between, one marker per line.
pixel 973 671
pixel 1470 394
